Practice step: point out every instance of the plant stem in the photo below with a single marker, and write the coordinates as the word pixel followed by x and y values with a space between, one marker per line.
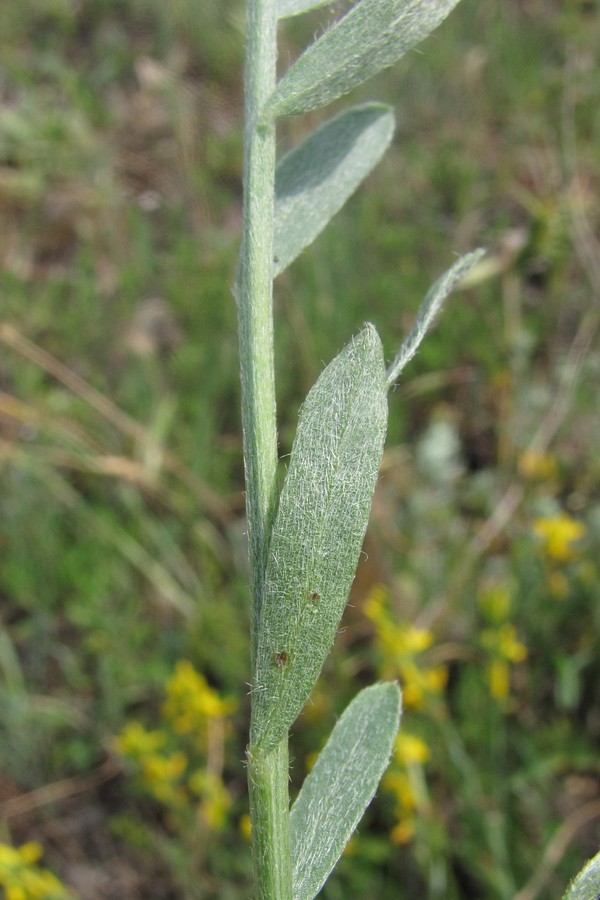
pixel 254 291
pixel 268 774
pixel 268 779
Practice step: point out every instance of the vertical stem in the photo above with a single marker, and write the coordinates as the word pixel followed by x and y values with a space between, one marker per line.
pixel 254 290
pixel 268 781
pixel 268 774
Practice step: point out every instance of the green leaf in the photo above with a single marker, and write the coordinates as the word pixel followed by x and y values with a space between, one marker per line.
pixel 316 178
pixel 341 785
pixel 586 886
pixel 372 35
pixel 286 8
pixel 318 532
pixel 429 308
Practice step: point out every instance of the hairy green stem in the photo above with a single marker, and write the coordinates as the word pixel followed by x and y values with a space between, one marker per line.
pixel 268 780
pixel 268 773
pixel 254 290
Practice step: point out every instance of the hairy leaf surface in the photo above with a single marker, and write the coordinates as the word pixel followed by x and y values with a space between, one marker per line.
pixel 316 178
pixel 318 532
pixel 341 785
pixel 372 35
pixel 429 309
pixel 586 886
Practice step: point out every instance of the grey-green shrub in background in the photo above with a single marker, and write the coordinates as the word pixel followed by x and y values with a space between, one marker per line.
pixel 305 544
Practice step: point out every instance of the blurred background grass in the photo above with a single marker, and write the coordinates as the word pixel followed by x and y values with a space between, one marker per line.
pixel 123 575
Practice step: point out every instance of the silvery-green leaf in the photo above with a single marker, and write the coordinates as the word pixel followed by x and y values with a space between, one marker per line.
pixel 316 178
pixel 371 36
pixel 429 308
pixel 286 8
pixel 341 785
pixel 318 532
pixel 586 886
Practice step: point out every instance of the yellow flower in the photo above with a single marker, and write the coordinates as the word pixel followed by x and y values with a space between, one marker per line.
pixel 410 749
pixel 404 831
pixel 496 601
pixel 558 534
pixel 419 685
pixel 374 605
pixel 22 879
pixel 245 824
pixel 502 643
pixel 537 466
pixel 191 701
pixel 137 742
pixel 504 647
pixel 162 776
pixel 30 852
pixel 400 645
pixel 508 646
pixel 498 671
pixel 404 641
pixel 214 796
pixel 406 802
pixel 399 785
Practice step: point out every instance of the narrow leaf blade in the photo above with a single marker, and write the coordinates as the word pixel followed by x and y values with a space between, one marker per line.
pixel 286 8
pixel 370 37
pixel 318 532
pixel 586 885
pixel 341 785
pixel 429 309
pixel 316 178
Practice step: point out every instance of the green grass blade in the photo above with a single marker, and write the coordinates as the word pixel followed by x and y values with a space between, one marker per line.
pixel 586 886
pixel 372 35
pixel 318 532
pixel 429 309
pixel 286 8
pixel 316 178
pixel 341 785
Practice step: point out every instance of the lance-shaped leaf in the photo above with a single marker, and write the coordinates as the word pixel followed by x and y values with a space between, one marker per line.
pixel 586 886
pixel 429 308
pixel 341 785
pixel 371 36
pixel 316 178
pixel 318 532
pixel 286 8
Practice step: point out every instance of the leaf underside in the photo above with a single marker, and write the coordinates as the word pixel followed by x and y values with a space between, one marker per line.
pixel 429 309
pixel 286 8
pixel 318 532
pixel 341 785
pixel 374 34
pixel 316 178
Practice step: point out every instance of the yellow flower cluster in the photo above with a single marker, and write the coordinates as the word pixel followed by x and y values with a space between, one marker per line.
pixel 499 640
pixel 400 647
pixel 559 535
pixel 22 879
pixel 214 797
pixel 160 773
pixel 405 779
pixel 537 466
pixel 172 762
pixel 191 702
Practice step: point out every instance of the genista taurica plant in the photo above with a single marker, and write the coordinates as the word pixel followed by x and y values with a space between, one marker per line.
pixel 305 544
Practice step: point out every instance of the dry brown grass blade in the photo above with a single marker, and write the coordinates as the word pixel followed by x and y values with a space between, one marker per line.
pixel 556 848
pixel 210 502
pixel 59 791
